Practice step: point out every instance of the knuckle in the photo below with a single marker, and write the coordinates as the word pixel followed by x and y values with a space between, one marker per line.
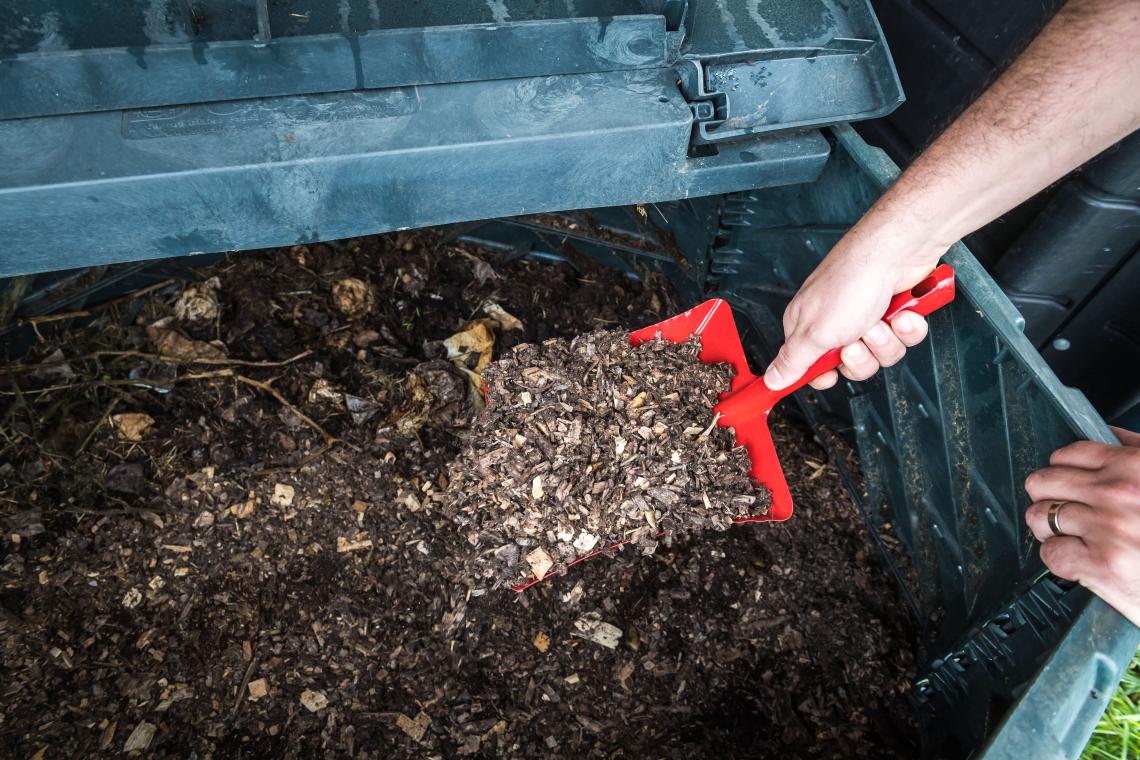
pixel 1061 453
pixel 1061 561
pixel 1034 513
pixel 1124 491
pixel 1112 523
pixel 1056 559
pixel 1123 526
pixel 821 335
pixel 893 357
pixel 1118 560
pixel 1034 482
pixel 782 360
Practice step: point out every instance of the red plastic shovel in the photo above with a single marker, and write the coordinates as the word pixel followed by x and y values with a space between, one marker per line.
pixel 746 405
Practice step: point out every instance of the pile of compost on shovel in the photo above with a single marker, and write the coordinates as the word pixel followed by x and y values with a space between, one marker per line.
pixel 590 443
pixel 224 535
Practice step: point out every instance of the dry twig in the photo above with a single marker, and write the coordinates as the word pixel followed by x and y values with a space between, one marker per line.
pixel 62 315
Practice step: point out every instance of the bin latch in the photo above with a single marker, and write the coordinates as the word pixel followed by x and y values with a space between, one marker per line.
pixel 710 108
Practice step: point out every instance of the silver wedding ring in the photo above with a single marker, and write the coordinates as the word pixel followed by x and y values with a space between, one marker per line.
pixel 1055 518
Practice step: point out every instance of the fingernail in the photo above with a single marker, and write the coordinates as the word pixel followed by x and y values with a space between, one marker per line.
pixel 856 353
pixel 905 323
pixel 773 378
pixel 877 334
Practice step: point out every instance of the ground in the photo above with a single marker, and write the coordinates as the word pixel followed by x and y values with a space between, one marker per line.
pixel 222 538
pixel 1117 735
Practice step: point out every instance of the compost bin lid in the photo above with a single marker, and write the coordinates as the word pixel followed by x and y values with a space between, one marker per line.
pixel 760 66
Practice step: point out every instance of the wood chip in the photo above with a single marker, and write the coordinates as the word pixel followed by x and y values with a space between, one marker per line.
pixel 282 495
pixel 108 734
pixel 540 562
pixel 258 689
pixel 314 701
pixel 140 738
pixel 132 425
pixel 414 728
pixel 625 672
pixel 245 509
pixel 585 542
pixel 359 542
pixel 541 641
pixel 593 628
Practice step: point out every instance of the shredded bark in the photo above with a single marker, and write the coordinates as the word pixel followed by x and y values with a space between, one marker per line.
pixel 590 443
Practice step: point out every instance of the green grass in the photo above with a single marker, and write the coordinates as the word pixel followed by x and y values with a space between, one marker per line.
pixel 1117 736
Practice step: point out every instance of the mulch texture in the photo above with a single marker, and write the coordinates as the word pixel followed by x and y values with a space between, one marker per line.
pixel 589 444
pixel 224 535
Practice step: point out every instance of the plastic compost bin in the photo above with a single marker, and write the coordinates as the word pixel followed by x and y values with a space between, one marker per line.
pixel 1015 662
pixel 709 134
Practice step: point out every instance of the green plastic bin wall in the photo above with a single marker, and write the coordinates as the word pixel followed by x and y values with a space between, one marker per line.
pixel 1016 663
pixel 1013 661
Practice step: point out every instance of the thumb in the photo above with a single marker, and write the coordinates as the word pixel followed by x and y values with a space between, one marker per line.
pixel 792 361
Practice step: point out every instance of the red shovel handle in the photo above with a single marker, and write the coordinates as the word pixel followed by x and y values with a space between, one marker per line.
pixel 935 291
pixel 747 410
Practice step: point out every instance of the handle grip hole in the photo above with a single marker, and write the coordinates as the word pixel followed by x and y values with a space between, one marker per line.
pixel 924 287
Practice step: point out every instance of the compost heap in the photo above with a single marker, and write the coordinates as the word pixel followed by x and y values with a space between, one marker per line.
pixel 223 536
pixel 590 442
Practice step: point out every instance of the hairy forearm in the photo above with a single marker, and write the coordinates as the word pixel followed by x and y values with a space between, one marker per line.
pixel 1073 92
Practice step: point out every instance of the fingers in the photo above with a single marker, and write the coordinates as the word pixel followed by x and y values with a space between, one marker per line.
pixel 1084 454
pixel 858 362
pixel 792 361
pixel 825 381
pixel 1066 556
pixel 884 345
pixel 1093 491
pixel 1058 483
pixel 910 328
pixel 1127 437
pixel 1073 518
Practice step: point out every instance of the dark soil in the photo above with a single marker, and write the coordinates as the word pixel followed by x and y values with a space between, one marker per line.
pixel 223 536
pixel 590 443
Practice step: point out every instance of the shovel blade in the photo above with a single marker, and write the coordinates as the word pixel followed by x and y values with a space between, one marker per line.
pixel 713 323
